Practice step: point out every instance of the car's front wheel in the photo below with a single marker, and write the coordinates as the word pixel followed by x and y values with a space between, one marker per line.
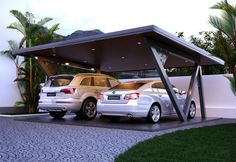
pixel 89 109
pixel 57 114
pixel 192 111
pixel 154 114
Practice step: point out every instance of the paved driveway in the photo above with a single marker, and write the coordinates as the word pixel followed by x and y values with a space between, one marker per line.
pixel 31 141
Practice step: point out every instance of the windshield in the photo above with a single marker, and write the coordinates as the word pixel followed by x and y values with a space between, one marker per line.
pixel 128 86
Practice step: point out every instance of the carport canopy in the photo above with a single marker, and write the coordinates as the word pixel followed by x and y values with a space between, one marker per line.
pixel 140 48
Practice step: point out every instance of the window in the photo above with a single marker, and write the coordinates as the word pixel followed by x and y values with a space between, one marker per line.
pixel 129 86
pixel 59 81
pixel 101 82
pixel 113 82
pixel 86 81
pixel 159 87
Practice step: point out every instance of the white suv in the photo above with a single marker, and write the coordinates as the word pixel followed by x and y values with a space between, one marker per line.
pixel 74 93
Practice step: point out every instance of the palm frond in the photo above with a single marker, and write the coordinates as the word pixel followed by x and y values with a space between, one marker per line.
pixel 232 81
pixel 21 79
pixel 13 45
pixel 224 6
pixel 19 104
pixel 228 22
pixel 219 24
pixel 226 50
pixel 7 53
pixel 18 27
pixel 20 17
pixel 30 18
pixel 22 42
pixel 53 29
pixel 44 21
pixel 220 5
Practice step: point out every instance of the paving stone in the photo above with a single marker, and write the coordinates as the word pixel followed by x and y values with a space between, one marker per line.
pixel 37 142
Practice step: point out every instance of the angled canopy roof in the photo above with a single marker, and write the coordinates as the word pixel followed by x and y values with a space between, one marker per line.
pixel 122 51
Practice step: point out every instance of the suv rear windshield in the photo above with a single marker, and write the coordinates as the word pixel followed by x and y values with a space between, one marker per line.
pixel 59 81
pixel 128 86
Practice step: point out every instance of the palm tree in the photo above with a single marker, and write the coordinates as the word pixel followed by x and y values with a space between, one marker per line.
pixel 226 37
pixel 34 33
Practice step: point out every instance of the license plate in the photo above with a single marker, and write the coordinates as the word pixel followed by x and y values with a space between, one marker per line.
pixel 51 94
pixel 113 97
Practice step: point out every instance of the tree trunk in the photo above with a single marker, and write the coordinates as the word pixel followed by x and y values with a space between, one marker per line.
pixel 231 68
pixel 18 85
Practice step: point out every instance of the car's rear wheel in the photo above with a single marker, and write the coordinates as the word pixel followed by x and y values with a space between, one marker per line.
pixel 154 114
pixel 89 109
pixel 192 111
pixel 57 114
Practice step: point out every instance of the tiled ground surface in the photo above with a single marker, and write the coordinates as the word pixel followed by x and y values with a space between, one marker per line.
pixel 33 141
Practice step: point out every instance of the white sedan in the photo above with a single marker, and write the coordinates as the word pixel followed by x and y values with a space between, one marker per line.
pixel 140 99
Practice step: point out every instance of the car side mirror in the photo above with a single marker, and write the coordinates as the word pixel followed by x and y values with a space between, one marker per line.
pixel 176 90
pixel 183 92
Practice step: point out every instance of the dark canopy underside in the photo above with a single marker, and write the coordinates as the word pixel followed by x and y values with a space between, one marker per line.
pixel 122 51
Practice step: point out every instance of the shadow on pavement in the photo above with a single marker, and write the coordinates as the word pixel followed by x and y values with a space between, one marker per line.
pixel 124 123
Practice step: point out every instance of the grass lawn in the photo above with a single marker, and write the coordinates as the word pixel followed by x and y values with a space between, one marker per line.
pixel 216 143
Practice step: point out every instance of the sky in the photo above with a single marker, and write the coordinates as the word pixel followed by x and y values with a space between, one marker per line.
pixel 188 16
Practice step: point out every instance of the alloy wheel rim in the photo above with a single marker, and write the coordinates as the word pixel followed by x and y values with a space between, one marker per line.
pixel 155 113
pixel 90 109
pixel 192 110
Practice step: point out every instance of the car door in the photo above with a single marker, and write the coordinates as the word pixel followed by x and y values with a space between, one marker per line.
pixel 164 97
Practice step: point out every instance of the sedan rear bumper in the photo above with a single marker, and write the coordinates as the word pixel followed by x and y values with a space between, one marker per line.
pixel 123 110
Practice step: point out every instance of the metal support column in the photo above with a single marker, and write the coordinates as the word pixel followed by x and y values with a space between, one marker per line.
pixel 201 94
pixel 161 71
pixel 191 89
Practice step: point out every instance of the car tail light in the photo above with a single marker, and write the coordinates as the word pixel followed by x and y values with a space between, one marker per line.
pixel 101 96
pixel 68 90
pixel 132 96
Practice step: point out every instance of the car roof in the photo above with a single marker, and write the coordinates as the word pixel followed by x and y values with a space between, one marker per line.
pixel 91 74
pixel 80 74
pixel 143 81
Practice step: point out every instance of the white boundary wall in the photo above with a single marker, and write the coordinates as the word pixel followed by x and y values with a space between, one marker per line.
pixel 219 99
pixel 9 92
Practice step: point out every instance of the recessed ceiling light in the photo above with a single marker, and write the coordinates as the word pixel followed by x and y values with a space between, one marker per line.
pixel 123 57
pixel 138 43
pixel 54 54
pixel 92 69
pixel 93 49
pixel 67 63
pixel 36 57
